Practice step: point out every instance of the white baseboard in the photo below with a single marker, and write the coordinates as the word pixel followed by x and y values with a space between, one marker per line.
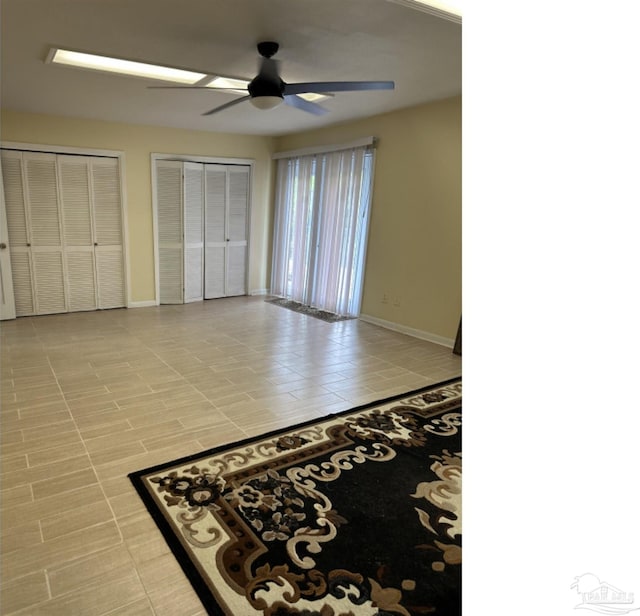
pixel 145 304
pixel 259 292
pixel 410 331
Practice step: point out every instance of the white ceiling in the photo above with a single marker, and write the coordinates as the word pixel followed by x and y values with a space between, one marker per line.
pixel 320 40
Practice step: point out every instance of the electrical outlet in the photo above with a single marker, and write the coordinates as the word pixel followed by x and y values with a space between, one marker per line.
pixel 396 301
pixel 385 298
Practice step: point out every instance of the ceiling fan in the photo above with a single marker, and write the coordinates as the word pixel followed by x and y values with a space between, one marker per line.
pixel 267 90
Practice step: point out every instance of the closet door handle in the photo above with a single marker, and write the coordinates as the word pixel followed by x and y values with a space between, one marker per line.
pixel 95 243
pixel 28 245
pixel 2 245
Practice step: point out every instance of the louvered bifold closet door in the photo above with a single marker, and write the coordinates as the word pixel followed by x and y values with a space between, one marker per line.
pixel 77 227
pixel 46 236
pixel 193 232
pixel 216 230
pixel 18 231
pixel 170 246
pixel 107 212
pixel 237 224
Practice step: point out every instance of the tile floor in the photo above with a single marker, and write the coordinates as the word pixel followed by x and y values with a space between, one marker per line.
pixel 89 397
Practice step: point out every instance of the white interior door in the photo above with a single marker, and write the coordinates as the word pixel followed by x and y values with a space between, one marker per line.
pixel 42 201
pixel 108 245
pixel 77 225
pixel 203 215
pixel 18 232
pixel 65 231
pixel 216 230
pixel 7 299
pixel 237 225
pixel 170 212
pixel 193 232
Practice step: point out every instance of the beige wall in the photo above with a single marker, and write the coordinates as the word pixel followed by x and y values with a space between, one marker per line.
pixel 138 142
pixel 414 250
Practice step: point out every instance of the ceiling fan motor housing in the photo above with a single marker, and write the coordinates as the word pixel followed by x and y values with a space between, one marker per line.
pixel 264 86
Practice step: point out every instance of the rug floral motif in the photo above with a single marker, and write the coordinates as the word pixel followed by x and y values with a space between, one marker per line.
pixel 357 514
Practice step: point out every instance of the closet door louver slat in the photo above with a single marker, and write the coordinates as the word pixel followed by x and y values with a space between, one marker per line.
pixel 48 272
pixel 238 204
pixel 215 272
pixel 14 198
pixel 76 205
pixel 236 256
pixel 81 276
pixel 106 201
pixel 42 198
pixel 216 187
pixel 22 282
pixel 109 267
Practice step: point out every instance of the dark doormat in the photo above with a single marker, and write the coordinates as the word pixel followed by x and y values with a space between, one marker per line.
pixel 323 315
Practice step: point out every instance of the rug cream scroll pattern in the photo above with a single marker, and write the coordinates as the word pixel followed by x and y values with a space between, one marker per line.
pixel 359 513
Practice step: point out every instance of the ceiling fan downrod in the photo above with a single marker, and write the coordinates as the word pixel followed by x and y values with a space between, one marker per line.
pixel 267 88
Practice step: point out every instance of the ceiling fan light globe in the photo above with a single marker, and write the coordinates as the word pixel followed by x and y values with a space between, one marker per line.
pixel 266 102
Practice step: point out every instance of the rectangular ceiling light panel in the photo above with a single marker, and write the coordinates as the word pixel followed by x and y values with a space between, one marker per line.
pixel 450 10
pixel 313 97
pixel 123 67
pixel 224 82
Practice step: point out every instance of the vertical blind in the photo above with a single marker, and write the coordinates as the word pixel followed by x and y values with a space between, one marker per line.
pixel 320 232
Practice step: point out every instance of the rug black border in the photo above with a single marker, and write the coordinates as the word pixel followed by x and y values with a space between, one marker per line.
pixel 190 570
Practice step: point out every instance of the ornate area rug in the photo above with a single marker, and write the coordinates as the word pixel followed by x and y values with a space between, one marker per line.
pixel 323 315
pixel 357 514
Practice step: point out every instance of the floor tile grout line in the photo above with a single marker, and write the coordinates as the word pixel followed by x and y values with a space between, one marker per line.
pixel 93 467
pixel 127 547
pixel 411 361
pixel 84 445
pixel 47 580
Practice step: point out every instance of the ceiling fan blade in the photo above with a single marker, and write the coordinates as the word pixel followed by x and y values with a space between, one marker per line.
pixel 227 105
pixel 336 86
pixel 300 103
pixel 210 88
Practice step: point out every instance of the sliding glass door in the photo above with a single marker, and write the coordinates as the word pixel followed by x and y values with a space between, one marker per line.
pixel 322 216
